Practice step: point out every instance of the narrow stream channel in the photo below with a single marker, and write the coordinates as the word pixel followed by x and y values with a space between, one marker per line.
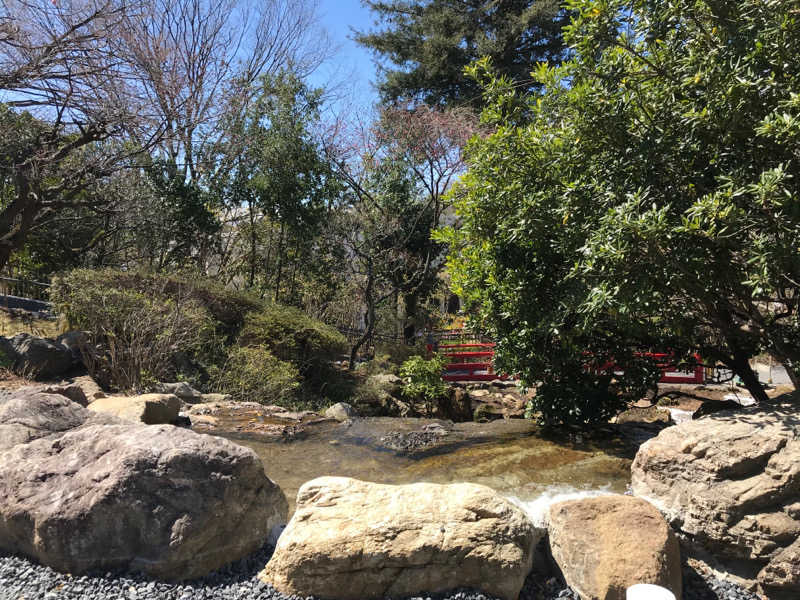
pixel 514 457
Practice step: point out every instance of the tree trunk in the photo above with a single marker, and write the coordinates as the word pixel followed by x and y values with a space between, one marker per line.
pixel 370 324
pixel 740 365
pixel 253 245
pixel 412 305
pixel 279 274
pixel 17 218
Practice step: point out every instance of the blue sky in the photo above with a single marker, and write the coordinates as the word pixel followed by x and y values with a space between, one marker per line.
pixel 352 65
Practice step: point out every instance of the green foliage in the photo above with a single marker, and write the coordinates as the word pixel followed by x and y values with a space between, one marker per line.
pixel 186 223
pixel 291 335
pixel 253 374
pixel 430 42
pixel 226 307
pixel 276 177
pixel 575 399
pixel 138 335
pixel 422 379
pixel 648 198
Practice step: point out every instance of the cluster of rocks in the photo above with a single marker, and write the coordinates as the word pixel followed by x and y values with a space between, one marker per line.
pixel 95 488
pixel 729 483
pixel 40 357
pixel 481 401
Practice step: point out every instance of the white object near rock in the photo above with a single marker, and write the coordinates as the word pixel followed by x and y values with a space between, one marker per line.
pixel 648 591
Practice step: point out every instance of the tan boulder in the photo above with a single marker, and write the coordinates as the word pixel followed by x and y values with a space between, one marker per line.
pixel 152 409
pixel 355 540
pixel 783 571
pixel 730 482
pixel 88 386
pixel 605 544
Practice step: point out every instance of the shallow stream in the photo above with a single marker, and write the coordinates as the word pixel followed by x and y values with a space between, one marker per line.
pixel 514 457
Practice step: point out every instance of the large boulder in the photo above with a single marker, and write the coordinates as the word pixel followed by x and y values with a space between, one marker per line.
pixel 605 544
pixel 151 409
pixel 341 411
pixel 731 483
pixel 81 491
pixel 354 540
pixel 34 356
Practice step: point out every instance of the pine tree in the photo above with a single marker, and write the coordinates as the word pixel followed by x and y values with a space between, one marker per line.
pixel 429 42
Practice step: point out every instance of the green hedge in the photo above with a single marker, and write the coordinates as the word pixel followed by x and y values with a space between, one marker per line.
pixel 138 335
pixel 226 307
pixel 254 374
pixel 146 327
pixel 293 336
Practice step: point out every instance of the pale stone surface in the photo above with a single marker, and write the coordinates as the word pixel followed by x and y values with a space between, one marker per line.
pixel 729 481
pixel 81 490
pixel 350 540
pixel 182 390
pixel 91 390
pixel 606 544
pixel 152 409
pixel 783 571
pixel 341 411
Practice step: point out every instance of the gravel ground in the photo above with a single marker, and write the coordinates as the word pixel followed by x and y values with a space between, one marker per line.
pixel 21 579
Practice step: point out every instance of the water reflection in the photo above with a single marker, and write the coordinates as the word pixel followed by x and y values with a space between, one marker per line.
pixel 513 457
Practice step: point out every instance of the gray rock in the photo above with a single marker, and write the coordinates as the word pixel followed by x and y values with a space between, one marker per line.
pixel 341 411
pixel 28 416
pixel 81 491
pixel 74 341
pixel 35 356
pixel 730 481
pixel 181 389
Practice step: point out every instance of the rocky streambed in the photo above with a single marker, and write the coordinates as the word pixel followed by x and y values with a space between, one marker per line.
pixel 512 456
pixel 101 497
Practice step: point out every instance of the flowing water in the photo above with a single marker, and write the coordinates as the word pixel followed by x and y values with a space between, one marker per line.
pixel 514 457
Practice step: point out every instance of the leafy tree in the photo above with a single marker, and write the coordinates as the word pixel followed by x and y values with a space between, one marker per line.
pixel 653 200
pixel 274 177
pixel 104 83
pixel 396 173
pixel 429 42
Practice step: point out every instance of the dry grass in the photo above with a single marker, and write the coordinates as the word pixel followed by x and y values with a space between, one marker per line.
pixel 11 324
pixel 11 381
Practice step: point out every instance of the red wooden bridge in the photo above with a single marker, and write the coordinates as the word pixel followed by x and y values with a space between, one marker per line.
pixel 471 359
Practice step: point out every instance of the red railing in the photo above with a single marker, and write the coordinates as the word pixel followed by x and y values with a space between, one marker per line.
pixel 465 365
pixel 669 369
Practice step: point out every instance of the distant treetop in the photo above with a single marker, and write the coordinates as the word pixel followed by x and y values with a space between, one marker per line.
pixel 427 43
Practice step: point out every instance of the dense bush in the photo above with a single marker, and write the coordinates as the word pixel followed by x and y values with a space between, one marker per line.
pixel 137 335
pixel 254 374
pixel 145 327
pixel 226 307
pixel 422 379
pixel 291 335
